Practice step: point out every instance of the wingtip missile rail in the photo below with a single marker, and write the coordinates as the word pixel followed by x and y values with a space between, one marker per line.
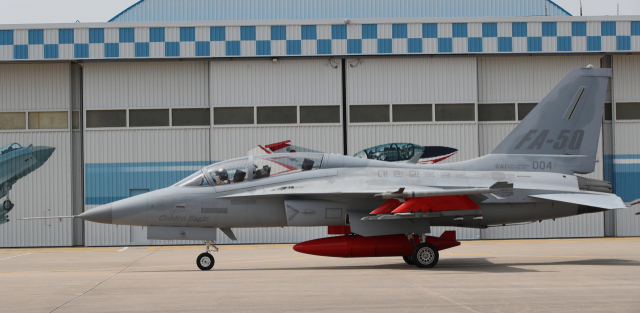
pixel 499 187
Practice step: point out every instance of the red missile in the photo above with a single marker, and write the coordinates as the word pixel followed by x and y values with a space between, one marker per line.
pixel 354 246
pixel 386 207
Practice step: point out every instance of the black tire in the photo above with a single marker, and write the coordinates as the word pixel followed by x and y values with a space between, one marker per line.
pixel 407 259
pixel 425 255
pixel 7 205
pixel 205 261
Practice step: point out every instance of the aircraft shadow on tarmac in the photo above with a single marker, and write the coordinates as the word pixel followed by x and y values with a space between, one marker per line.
pixel 481 265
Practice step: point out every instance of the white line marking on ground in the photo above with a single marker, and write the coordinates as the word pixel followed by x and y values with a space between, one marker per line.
pixel 125 248
pixel 15 256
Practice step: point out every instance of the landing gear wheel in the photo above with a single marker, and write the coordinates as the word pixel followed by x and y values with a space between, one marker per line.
pixel 205 261
pixel 7 205
pixel 425 255
pixel 407 259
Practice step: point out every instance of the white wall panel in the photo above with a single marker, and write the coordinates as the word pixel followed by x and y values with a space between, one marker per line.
pixel 585 225
pixel 146 145
pixel 412 80
pixel 34 86
pixel 461 233
pixel 44 192
pixel 491 134
pixel 145 84
pixel 524 79
pixel 627 176
pixel 462 136
pixel 273 83
pixel 233 142
pixel 626 77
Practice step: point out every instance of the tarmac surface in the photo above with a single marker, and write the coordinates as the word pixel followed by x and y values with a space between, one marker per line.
pixel 557 275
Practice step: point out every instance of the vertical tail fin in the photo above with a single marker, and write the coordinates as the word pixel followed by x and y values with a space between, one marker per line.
pixel 566 122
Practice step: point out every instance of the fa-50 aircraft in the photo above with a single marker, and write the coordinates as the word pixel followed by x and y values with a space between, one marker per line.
pixel 386 209
pixel 16 162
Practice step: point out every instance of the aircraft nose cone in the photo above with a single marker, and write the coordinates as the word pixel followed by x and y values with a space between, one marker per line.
pixel 43 153
pixel 102 214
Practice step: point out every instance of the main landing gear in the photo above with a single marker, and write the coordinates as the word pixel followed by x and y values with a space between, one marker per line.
pixel 425 255
pixel 7 205
pixel 205 261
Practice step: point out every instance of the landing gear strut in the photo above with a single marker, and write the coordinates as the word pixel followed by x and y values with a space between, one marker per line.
pixel 205 261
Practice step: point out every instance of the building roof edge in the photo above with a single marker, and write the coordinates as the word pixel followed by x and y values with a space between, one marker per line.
pixel 131 7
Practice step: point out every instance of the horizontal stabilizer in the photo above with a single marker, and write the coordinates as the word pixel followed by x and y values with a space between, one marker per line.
pixel 604 201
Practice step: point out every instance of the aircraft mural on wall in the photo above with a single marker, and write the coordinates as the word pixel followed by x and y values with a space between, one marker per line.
pixel 17 161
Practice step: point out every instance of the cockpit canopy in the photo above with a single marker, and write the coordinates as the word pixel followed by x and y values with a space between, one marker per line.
pixel 252 168
pixel 10 147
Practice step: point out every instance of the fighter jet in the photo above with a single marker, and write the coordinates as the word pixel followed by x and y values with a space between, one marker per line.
pixel 386 209
pixel 17 161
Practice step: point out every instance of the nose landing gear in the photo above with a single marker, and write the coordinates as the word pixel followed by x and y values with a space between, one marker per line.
pixel 205 261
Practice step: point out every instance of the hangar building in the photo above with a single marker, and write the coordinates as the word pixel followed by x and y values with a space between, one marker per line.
pixel 167 87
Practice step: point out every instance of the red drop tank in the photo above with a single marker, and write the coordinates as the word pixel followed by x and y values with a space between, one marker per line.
pixel 356 246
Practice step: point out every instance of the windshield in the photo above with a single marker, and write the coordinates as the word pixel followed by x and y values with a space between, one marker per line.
pixel 10 147
pixel 229 172
pixel 236 171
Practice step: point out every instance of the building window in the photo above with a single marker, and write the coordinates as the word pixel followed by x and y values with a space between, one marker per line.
pixel 524 109
pixel 627 111
pixel 369 113
pixel 320 114
pixel 106 118
pixel 48 120
pixel 13 120
pixel 607 112
pixel 277 115
pixel 232 116
pixel 149 118
pixel 412 113
pixel 190 117
pixel 75 119
pixel 497 112
pixel 461 112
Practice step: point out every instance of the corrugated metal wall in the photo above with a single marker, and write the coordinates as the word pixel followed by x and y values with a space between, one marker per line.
pixel 626 156
pixel 44 192
pixel 524 79
pixel 34 87
pixel 47 191
pixel 411 80
pixel 286 82
pixel 145 85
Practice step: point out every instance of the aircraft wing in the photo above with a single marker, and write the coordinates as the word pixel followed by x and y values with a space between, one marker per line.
pixel 604 201
pixel 390 192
